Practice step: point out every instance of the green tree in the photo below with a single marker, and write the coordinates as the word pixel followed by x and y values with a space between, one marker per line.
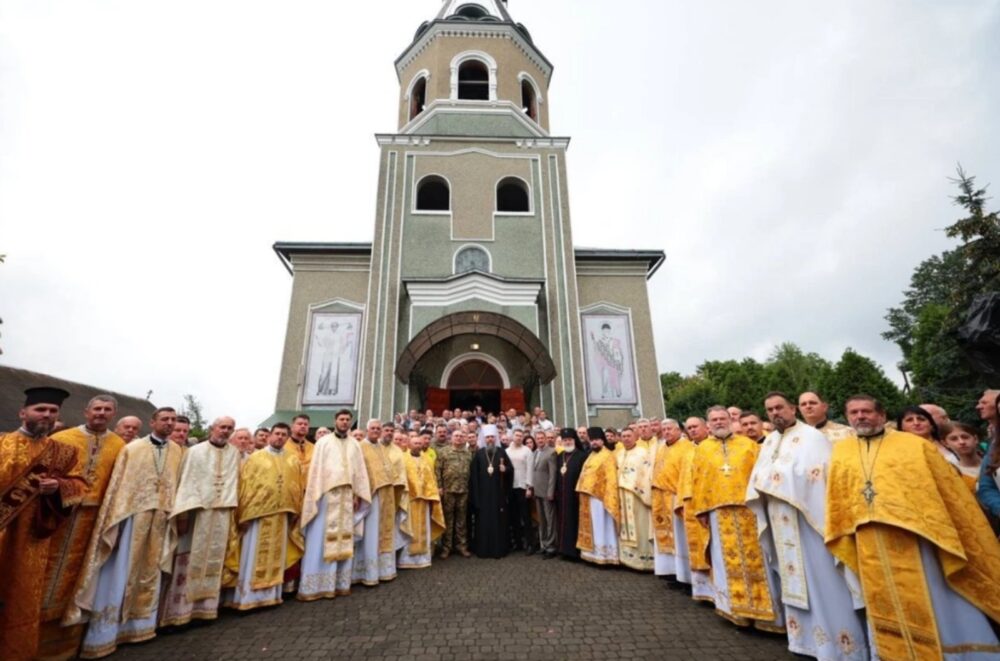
pixel 925 324
pixel 192 409
pixel 792 371
pixel 690 397
pixel 856 374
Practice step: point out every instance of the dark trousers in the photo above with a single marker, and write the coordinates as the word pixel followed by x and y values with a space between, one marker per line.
pixel 520 520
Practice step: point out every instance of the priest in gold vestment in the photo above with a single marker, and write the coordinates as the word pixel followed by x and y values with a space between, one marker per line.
pixel 269 542
pixel 375 552
pixel 663 485
pixel 600 512
pixel 425 517
pixel 40 480
pixel 97 448
pixel 202 526
pixel 119 590
pixel 787 492
pixel 693 533
pixel 901 518
pixel 299 445
pixel 337 499
pixel 721 470
pixel 635 530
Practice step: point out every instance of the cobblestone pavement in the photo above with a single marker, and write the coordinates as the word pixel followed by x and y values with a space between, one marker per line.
pixel 516 608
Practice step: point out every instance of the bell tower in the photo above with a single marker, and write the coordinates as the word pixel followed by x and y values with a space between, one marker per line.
pixel 471 291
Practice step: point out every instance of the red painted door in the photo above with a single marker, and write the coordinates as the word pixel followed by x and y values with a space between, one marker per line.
pixel 437 400
pixel 512 398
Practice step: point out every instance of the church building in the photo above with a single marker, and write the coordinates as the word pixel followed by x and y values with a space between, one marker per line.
pixel 471 291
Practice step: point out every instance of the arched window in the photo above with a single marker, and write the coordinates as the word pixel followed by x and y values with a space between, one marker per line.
pixel 512 195
pixel 433 194
pixel 472 258
pixel 473 81
pixel 418 97
pixel 529 103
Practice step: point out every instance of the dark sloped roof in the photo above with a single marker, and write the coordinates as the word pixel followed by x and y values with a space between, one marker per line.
pixel 14 380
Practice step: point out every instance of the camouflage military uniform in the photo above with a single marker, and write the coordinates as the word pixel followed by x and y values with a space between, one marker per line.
pixel 452 472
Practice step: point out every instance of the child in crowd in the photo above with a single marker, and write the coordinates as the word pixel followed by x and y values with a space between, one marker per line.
pixel 963 440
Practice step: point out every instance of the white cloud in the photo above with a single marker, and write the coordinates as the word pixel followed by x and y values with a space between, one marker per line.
pixel 792 159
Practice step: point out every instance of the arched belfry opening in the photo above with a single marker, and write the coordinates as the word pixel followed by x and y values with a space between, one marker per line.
pixel 512 196
pixel 433 194
pixel 529 100
pixel 418 97
pixel 473 81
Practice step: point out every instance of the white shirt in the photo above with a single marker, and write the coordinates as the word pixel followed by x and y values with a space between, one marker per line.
pixel 546 424
pixel 521 458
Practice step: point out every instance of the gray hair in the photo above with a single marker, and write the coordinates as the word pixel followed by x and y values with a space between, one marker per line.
pixel 103 398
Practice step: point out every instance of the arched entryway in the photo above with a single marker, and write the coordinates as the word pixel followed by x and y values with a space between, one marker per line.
pixel 505 368
pixel 474 382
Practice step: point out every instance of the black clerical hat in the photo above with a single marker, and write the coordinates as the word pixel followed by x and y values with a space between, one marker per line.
pixel 596 432
pixel 44 395
pixel 568 432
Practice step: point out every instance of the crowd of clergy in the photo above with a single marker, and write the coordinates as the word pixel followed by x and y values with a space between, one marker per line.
pixel 871 539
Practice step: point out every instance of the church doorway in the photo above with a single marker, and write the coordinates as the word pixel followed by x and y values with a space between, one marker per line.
pixel 474 383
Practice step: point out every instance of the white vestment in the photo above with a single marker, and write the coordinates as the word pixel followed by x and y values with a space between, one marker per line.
pixel 821 599
pixel 605 534
pixel 243 596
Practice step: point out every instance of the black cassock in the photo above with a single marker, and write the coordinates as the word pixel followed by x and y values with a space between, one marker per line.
pixel 488 494
pixel 568 502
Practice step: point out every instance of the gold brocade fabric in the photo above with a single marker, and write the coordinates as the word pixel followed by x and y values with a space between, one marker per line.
pixel 749 593
pixel 206 491
pixel 270 490
pixel 23 551
pixel 664 487
pixel 337 464
pixel 303 452
pixel 720 474
pixel 96 459
pixel 598 478
pixel 386 472
pixel 142 486
pixel 914 494
pixel 635 470
pixel 423 497
pixel 697 534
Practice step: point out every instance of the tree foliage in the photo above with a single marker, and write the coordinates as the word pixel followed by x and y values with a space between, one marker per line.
pixel 789 369
pixel 192 409
pixel 925 324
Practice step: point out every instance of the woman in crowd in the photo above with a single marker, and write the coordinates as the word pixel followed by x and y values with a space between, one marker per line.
pixel 529 441
pixel 918 421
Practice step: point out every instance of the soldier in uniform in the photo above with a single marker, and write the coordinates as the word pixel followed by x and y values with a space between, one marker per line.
pixel 452 472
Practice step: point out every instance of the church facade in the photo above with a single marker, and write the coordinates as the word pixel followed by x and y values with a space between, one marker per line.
pixel 471 291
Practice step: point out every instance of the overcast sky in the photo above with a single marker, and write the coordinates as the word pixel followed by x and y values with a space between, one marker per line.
pixel 792 159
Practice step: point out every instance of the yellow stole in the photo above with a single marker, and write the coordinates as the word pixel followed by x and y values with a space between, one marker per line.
pixel 720 474
pixel 875 530
pixel 664 488
pixel 386 472
pixel 598 478
pixel 423 497
pixel 697 534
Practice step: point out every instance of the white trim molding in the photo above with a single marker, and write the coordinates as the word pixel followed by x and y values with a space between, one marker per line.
pixel 482 56
pixel 457 361
pixel 423 73
pixel 524 75
pixel 431 212
pixel 474 285
pixel 527 189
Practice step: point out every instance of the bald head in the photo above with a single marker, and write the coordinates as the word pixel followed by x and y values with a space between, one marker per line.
pixel 938 413
pixel 128 427
pixel 696 429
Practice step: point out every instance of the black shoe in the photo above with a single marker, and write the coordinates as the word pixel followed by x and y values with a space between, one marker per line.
pixel 548 555
pixel 531 551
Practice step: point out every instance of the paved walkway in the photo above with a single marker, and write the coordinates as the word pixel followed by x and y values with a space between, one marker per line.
pixel 516 608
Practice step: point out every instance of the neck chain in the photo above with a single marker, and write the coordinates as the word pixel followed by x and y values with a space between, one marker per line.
pixel 725 468
pixel 868 472
pixel 490 458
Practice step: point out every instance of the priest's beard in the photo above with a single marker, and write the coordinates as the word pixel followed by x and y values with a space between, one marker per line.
pixel 722 435
pixel 40 427
pixel 385 441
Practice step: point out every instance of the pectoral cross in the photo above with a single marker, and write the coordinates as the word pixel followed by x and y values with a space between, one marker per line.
pixel 726 469
pixel 869 493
